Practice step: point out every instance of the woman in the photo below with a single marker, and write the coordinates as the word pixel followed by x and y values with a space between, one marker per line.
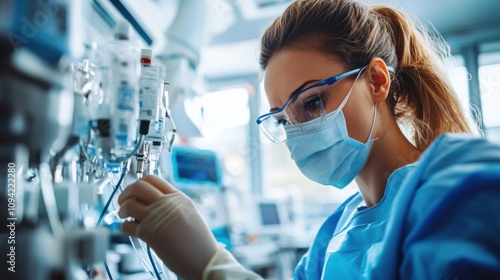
pixel 342 79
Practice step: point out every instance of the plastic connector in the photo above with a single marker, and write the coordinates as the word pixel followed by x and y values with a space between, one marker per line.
pixel 144 127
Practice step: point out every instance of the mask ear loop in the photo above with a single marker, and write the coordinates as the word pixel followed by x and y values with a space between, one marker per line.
pixel 374 106
pixel 341 106
pixel 373 122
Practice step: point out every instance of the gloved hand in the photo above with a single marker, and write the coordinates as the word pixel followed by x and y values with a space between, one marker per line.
pixel 169 223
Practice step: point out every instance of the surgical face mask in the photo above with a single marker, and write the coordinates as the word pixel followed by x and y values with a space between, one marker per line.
pixel 325 153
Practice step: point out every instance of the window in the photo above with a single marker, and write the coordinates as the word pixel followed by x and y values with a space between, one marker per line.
pixel 489 78
pixel 225 132
pixel 225 109
pixel 459 80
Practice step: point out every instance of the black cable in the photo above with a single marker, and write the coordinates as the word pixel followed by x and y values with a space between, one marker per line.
pixel 153 264
pixel 107 270
pixel 105 209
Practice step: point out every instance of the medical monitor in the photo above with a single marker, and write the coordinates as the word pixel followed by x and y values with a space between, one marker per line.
pixel 272 216
pixel 193 167
pixel 269 214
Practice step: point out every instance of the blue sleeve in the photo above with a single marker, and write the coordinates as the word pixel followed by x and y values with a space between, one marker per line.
pixel 452 229
pixel 311 264
pixel 445 221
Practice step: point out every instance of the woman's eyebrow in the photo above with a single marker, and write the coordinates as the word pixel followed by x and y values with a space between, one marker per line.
pixel 294 92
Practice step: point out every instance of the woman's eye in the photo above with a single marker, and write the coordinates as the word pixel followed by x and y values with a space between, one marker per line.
pixel 282 122
pixel 312 104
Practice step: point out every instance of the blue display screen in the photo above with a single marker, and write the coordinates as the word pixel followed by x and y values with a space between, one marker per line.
pixel 193 166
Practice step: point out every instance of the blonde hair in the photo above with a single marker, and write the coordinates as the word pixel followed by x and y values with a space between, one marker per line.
pixel 354 32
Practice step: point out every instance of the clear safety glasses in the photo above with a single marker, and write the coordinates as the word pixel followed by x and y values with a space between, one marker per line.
pixel 305 105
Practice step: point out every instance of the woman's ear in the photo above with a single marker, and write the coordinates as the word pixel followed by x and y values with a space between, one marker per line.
pixel 379 78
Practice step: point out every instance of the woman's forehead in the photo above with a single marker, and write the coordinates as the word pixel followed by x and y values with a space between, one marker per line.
pixel 290 68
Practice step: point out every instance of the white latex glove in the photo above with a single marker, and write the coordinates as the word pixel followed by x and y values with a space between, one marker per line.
pixel 224 266
pixel 169 223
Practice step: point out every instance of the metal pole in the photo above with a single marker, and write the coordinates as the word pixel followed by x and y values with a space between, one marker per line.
pixel 254 137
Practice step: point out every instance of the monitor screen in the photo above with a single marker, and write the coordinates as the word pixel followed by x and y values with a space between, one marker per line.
pixel 269 213
pixel 195 167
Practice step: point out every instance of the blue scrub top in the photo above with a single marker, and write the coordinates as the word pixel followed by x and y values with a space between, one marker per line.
pixel 439 218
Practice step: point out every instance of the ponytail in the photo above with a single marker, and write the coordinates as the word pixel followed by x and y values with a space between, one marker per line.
pixel 420 93
pixel 419 96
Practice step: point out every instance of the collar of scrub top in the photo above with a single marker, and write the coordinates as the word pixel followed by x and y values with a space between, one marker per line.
pixel 326 82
